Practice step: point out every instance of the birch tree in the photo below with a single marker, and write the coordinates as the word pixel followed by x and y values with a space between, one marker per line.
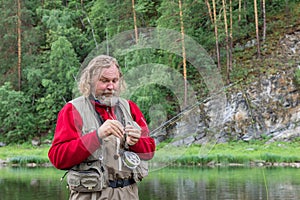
pixel 19 45
pixel 216 34
pixel 230 36
pixel 183 52
pixel 227 41
pixel 240 11
pixel 209 10
pixel 264 19
pixel 256 28
pixel 134 22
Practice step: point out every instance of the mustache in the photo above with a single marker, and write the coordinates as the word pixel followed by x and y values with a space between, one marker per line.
pixel 109 92
pixel 109 98
pixel 109 101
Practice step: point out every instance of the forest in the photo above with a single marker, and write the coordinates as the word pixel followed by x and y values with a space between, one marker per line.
pixel 45 43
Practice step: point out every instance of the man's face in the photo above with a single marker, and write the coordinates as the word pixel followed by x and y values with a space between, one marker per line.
pixel 107 85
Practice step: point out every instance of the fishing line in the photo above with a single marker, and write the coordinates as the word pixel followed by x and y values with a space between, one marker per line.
pixel 188 109
pixel 265 183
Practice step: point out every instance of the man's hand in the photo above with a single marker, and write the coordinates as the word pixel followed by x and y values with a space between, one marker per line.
pixel 111 127
pixel 133 134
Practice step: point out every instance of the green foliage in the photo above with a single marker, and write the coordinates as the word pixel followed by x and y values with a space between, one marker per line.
pixel 59 81
pixel 150 84
pixel 8 42
pixel 110 17
pixel 153 101
pixel 63 22
pixel 16 116
pixel 169 15
pixel 58 35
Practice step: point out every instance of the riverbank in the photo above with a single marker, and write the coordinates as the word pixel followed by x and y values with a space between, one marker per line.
pixel 24 155
pixel 253 153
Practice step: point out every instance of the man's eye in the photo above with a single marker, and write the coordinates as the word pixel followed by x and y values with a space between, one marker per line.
pixel 107 81
pixel 115 80
pixel 103 80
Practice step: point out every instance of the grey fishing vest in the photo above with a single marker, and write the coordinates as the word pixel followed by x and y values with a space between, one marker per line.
pixel 108 154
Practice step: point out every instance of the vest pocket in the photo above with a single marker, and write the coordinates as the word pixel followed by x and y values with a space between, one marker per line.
pixel 85 181
pixel 141 171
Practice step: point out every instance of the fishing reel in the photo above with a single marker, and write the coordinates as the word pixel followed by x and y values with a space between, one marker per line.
pixel 131 159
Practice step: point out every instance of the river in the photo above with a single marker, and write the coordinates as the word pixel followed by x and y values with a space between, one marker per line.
pixel 167 183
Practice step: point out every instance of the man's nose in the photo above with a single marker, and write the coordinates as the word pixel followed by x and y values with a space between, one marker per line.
pixel 110 86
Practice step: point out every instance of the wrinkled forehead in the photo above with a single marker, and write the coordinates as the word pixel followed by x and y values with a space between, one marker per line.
pixel 110 72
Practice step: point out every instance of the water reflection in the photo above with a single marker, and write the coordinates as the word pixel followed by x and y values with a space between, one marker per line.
pixel 31 183
pixel 168 183
pixel 223 184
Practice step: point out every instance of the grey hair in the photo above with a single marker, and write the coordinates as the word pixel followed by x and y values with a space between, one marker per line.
pixel 94 69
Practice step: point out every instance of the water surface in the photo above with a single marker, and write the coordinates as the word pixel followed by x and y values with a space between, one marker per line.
pixel 167 184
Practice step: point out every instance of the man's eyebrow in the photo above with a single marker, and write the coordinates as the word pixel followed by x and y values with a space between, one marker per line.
pixel 106 78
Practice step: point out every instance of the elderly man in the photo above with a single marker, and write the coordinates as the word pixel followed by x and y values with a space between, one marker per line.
pixel 101 139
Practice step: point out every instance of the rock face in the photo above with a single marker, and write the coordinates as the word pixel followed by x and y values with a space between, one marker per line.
pixel 269 107
pixel 266 108
pixel 290 44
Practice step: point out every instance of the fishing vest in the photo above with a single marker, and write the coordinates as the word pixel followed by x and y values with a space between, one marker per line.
pixel 107 160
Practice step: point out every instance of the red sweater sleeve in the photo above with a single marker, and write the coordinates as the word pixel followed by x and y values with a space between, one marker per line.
pixel 69 148
pixel 145 147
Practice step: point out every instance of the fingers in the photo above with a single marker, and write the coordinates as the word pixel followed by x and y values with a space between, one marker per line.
pixel 133 134
pixel 111 127
pixel 116 128
pixel 132 131
pixel 131 140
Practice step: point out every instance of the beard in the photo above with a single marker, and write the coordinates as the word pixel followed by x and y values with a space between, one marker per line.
pixel 108 98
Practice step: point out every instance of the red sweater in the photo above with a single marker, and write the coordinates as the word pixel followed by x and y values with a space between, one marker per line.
pixel 70 148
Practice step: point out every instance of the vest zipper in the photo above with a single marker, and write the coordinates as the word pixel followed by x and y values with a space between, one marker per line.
pixel 111 113
pixel 118 141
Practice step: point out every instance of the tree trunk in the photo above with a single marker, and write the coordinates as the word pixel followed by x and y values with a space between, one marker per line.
pixel 19 45
pixel 256 27
pixel 134 21
pixel 209 11
pixel 245 13
pixel 93 32
pixel 230 36
pixel 227 41
pixel 240 11
pixel 183 52
pixel 216 35
pixel 264 18
pixel 287 8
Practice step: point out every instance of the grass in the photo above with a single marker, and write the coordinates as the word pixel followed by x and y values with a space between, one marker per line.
pixel 211 154
pixel 228 153
pixel 24 154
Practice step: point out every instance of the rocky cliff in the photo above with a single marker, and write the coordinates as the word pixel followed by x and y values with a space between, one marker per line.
pixel 268 107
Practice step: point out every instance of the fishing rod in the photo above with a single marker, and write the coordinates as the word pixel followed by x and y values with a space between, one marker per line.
pixel 188 109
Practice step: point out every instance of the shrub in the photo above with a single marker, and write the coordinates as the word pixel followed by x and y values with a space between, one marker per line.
pixel 15 115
